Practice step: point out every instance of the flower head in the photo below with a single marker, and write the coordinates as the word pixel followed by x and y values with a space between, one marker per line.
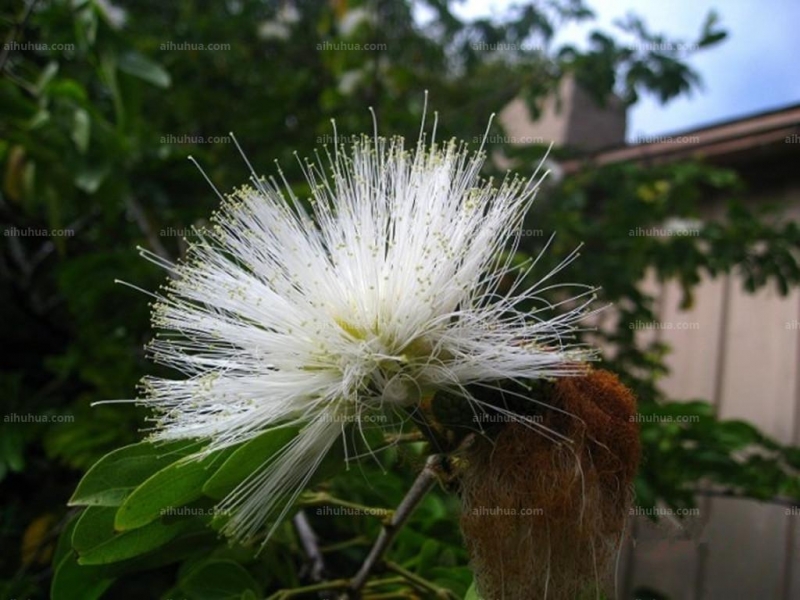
pixel 388 290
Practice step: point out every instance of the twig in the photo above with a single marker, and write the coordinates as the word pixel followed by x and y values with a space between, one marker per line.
pixel 310 543
pixel 422 485
pixel 25 85
pixel 360 540
pixel 403 438
pixel 421 582
pixel 138 213
pixel 338 584
pixel 323 498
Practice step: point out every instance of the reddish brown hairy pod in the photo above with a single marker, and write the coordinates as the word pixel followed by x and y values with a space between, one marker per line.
pixel 544 503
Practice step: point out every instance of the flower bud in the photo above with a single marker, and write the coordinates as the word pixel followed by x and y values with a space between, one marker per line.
pixel 544 508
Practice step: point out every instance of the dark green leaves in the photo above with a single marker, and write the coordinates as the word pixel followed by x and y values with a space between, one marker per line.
pixel 173 486
pixel 98 542
pixel 711 32
pixel 685 443
pixel 141 483
pixel 142 498
pixel 73 582
pixel 116 475
pixel 246 460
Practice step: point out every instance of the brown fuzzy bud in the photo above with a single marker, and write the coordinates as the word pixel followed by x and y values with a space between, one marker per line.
pixel 543 516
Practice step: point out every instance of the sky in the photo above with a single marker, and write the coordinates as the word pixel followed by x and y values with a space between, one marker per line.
pixel 756 69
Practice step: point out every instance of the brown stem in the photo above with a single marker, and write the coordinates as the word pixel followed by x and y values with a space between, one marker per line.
pixel 422 485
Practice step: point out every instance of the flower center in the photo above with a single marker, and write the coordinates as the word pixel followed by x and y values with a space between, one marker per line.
pixel 392 371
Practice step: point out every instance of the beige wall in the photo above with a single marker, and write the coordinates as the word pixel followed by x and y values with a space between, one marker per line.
pixel 742 354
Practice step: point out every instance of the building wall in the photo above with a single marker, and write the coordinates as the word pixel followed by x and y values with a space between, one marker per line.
pixel 741 352
pixel 592 127
pixel 569 118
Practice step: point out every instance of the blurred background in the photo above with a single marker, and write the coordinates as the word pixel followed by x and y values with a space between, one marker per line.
pixel 676 137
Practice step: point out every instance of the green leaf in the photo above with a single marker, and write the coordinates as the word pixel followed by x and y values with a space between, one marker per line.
pixel 710 33
pixel 98 543
pixel 142 67
pixel 735 434
pixel 645 495
pixel 68 89
pixel 64 544
pixel 92 527
pixel 89 178
pixel 257 453
pixel 74 582
pixel 472 593
pixel 219 580
pixel 39 119
pixel 171 487
pixel 46 76
pixel 86 24
pixel 81 129
pixel 247 459
pixel 118 473
pixel 108 70
pixel 12 446
pixel 712 39
pixel 793 457
pixel 697 408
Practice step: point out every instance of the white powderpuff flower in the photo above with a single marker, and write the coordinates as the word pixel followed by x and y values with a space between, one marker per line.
pixel 386 292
